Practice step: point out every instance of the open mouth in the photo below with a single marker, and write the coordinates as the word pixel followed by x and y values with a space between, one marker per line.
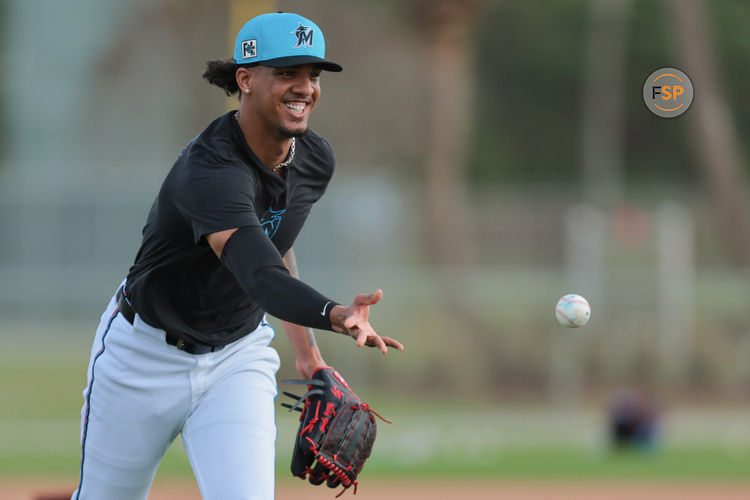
pixel 297 108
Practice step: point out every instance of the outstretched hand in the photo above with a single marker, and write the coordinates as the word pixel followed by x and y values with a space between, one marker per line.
pixel 354 321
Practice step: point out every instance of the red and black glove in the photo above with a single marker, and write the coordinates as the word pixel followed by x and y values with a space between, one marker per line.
pixel 336 431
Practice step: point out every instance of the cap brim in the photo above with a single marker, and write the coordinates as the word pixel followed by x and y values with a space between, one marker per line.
pixel 283 62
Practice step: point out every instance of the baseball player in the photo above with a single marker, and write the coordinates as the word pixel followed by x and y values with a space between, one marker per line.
pixel 183 346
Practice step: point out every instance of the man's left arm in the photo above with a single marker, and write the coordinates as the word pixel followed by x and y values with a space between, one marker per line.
pixel 306 352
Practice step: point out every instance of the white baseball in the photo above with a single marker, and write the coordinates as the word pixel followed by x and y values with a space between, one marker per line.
pixel 572 310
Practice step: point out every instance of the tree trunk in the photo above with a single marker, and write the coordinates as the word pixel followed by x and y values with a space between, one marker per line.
pixel 712 127
pixel 603 136
pixel 449 69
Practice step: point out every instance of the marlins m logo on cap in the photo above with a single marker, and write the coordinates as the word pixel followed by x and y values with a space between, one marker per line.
pixel 304 36
pixel 269 40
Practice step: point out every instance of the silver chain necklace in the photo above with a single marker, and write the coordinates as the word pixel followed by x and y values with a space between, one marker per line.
pixel 289 157
pixel 288 160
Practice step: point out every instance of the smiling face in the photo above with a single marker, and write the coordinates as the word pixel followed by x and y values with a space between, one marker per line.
pixel 282 98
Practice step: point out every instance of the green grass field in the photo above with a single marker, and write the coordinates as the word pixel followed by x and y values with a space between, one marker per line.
pixel 683 464
pixel 40 399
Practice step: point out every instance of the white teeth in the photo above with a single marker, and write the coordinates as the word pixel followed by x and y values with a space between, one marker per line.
pixel 296 107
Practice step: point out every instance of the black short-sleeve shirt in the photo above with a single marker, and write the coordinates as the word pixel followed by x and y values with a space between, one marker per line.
pixel 177 282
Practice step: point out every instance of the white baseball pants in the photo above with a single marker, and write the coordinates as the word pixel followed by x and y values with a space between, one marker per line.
pixel 142 392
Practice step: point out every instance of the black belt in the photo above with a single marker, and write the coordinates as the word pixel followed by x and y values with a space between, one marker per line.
pixel 192 348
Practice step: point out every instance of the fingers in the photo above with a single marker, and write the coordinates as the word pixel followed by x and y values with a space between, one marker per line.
pixel 361 338
pixel 371 340
pixel 360 309
pixel 393 343
pixel 389 342
pixel 380 344
pixel 375 340
pixel 358 326
pixel 368 299
pixel 350 323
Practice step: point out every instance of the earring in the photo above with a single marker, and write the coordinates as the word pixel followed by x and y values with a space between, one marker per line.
pixel 247 91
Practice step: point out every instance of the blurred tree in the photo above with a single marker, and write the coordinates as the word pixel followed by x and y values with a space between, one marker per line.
pixel 178 34
pixel 713 130
pixel 603 125
pixel 666 161
pixel 446 29
pixel 535 52
pixel 3 92
pixel 529 80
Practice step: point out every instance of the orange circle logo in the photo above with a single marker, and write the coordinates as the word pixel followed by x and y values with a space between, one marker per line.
pixel 668 92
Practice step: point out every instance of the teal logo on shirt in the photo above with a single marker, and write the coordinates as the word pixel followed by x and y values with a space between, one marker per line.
pixel 271 222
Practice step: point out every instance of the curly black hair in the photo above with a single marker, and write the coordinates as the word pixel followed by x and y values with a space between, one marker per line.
pixel 221 72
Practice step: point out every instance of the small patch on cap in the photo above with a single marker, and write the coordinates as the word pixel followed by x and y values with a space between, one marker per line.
pixel 249 49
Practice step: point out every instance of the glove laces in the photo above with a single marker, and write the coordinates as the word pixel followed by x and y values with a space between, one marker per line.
pixel 372 412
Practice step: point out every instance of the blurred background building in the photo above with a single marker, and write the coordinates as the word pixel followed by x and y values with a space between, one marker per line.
pixel 492 156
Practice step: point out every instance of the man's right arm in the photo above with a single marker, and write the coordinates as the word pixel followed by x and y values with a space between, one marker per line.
pixel 266 279
pixel 256 264
pixel 217 240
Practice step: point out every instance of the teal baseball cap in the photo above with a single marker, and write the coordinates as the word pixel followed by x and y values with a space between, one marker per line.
pixel 282 39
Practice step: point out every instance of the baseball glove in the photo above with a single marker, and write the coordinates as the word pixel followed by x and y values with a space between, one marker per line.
pixel 336 431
